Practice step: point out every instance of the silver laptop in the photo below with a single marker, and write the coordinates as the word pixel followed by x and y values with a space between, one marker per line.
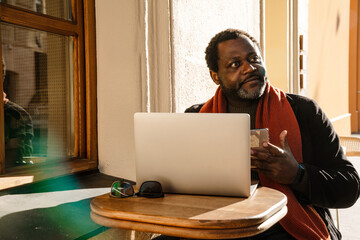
pixel 192 153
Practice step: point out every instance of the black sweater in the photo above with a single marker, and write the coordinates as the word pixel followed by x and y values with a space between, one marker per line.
pixel 332 181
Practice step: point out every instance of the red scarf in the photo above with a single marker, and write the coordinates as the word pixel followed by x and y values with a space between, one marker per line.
pixel 275 113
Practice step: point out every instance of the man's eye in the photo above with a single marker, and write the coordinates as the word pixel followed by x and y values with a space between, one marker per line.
pixel 255 59
pixel 235 64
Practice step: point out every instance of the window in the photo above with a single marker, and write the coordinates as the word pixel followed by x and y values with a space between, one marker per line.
pixel 49 73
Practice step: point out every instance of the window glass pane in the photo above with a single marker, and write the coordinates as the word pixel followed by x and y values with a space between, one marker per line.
pixel 39 117
pixel 55 8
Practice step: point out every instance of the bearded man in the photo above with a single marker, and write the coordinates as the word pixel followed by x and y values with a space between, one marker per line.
pixel 303 158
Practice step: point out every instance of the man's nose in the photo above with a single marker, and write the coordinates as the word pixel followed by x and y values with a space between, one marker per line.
pixel 247 67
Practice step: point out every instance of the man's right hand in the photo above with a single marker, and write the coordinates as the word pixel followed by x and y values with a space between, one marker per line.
pixel 277 163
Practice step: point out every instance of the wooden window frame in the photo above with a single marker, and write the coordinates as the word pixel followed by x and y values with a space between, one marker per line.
pixel 82 29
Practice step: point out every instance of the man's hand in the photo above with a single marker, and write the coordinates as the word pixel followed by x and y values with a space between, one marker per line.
pixel 277 163
pixel 4 98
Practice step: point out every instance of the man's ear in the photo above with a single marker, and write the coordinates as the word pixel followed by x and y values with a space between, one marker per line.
pixel 214 77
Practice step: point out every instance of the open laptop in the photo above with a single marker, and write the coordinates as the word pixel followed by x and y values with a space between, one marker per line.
pixel 192 153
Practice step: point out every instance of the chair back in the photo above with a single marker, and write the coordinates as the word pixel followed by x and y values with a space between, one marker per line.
pixel 351 145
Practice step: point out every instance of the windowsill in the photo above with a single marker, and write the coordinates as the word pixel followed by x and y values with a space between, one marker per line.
pixel 21 175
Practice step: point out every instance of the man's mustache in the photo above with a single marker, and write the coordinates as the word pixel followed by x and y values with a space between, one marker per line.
pixel 250 78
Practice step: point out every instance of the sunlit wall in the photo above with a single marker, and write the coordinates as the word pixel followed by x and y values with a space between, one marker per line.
pixel 329 60
pixel 195 22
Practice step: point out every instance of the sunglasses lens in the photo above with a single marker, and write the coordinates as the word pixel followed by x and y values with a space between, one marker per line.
pixel 121 189
pixel 151 189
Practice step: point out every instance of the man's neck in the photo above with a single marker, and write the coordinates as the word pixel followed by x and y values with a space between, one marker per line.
pixel 240 103
pixel 244 106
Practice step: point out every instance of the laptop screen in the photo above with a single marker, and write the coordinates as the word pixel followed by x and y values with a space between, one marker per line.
pixel 194 153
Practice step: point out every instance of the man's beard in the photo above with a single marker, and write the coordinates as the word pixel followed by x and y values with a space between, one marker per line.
pixel 241 94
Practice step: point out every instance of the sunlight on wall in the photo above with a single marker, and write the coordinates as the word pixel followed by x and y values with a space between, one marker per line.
pixel 329 60
pixel 195 22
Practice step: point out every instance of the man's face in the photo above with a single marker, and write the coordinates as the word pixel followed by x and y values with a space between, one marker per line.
pixel 241 74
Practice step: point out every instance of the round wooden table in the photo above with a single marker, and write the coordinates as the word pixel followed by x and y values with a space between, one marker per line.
pixel 193 216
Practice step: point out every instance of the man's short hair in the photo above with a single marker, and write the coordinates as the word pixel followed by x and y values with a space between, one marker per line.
pixel 211 52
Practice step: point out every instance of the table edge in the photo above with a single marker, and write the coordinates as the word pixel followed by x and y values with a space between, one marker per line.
pixel 189 223
pixel 194 233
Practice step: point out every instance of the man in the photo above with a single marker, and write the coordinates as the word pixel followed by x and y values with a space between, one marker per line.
pixel 303 159
pixel 18 131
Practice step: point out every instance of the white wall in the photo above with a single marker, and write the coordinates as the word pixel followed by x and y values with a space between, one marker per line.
pixel 119 53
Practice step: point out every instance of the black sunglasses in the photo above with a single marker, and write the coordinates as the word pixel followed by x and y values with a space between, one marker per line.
pixel 148 189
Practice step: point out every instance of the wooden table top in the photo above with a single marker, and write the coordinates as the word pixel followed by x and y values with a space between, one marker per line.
pixel 193 215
